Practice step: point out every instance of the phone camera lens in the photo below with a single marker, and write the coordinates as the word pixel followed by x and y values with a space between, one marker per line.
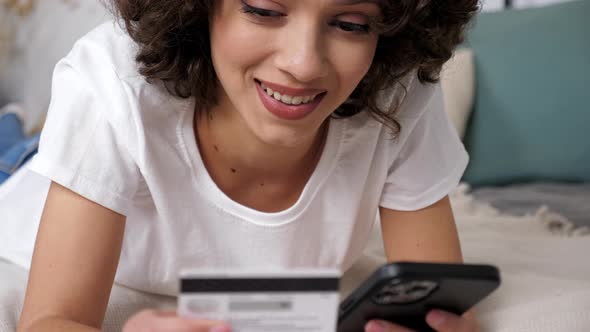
pixel 386 297
pixel 417 291
pixel 404 292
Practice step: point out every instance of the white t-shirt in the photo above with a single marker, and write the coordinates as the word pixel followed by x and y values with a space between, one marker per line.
pixel 129 146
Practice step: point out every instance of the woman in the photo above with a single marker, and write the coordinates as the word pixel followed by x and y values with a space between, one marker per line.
pixel 231 133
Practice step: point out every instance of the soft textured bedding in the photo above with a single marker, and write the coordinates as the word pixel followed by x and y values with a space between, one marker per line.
pixel 546 277
pixel 542 258
pixel 572 200
pixel 543 263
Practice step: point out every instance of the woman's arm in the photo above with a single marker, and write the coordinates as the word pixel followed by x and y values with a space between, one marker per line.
pixel 427 235
pixel 74 263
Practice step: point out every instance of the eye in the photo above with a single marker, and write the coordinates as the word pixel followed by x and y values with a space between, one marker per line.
pixel 351 27
pixel 259 12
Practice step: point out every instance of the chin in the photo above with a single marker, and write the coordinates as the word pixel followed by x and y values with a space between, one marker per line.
pixel 274 131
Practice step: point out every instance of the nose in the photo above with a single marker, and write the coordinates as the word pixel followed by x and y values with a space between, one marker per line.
pixel 302 54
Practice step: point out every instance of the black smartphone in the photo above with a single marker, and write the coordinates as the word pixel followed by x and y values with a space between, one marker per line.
pixel 403 293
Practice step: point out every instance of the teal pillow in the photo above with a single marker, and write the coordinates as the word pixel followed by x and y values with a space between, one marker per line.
pixel 531 117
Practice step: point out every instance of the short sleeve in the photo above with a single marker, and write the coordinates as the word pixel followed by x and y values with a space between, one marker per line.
pixel 432 158
pixel 84 144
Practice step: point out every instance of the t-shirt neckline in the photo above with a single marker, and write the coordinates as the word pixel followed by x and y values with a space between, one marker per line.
pixel 217 197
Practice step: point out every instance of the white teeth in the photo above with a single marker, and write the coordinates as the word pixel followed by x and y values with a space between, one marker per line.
pixel 286 99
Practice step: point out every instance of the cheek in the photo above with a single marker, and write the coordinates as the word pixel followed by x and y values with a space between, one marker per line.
pixel 233 46
pixel 351 63
pixel 356 63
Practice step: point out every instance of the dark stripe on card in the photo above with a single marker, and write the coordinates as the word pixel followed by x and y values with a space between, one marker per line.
pixel 258 285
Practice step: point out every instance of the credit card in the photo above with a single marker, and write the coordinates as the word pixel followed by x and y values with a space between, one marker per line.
pixel 262 301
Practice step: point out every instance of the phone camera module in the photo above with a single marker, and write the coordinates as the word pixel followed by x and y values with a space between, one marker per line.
pixel 398 292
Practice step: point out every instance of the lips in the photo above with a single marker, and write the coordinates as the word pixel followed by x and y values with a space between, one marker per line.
pixel 283 110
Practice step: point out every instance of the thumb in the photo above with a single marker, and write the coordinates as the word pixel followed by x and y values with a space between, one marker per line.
pixel 443 321
pixel 151 320
pixel 384 326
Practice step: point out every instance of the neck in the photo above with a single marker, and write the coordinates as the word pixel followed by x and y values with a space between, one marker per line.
pixel 248 158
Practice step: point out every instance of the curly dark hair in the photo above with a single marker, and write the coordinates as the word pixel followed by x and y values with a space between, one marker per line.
pixel 414 36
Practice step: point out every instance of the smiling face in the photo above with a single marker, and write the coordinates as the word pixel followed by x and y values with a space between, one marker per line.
pixel 285 65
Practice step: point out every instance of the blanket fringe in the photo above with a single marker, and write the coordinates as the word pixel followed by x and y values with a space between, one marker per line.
pixel 558 224
pixel 553 222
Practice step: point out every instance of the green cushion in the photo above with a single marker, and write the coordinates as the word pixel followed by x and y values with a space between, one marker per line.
pixel 531 118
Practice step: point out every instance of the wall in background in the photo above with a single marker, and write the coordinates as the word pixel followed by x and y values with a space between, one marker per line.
pixel 30 46
pixel 535 3
pixel 492 5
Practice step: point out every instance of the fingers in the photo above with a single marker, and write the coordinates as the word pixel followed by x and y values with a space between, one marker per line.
pixel 443 321
pixel 151 320
pixel 440 321
pixel 384 326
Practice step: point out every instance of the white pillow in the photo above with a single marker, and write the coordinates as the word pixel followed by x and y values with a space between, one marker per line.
pixel 30 46
pixel 458 85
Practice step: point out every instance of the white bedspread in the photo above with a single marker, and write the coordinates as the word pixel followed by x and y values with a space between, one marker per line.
pixel 543 261
pixel 544 264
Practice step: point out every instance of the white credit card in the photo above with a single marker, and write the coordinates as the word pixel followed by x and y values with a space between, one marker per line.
pixel 262 301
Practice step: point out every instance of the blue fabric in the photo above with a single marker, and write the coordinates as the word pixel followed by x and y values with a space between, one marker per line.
pixel 15 148
pixel 11 131
pixel 531 117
